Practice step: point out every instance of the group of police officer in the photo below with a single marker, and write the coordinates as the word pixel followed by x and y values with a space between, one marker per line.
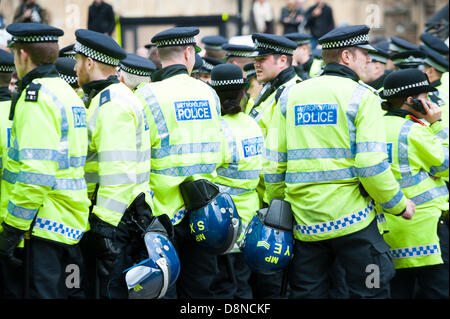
pixel 261 180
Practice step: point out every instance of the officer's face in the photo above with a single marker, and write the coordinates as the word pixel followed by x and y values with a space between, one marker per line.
pixel 358 62
pixel 81 69
pixel 267 68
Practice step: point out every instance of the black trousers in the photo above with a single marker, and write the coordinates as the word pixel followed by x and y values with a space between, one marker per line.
pixel 56 270
pixel 12 278
pixel 198 268
pixel 429 282
pixel 364 256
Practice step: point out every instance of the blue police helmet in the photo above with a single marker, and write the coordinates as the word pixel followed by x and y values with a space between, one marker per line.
pixel 268 241
pixel 217 225
pixel 151 278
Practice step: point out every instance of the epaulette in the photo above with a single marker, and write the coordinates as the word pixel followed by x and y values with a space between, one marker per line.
pixel 105 97
pixel 279 92
pixel 32 92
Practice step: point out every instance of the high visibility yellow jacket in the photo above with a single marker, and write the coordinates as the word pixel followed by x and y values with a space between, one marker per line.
pixel 5 125
pixel 242 163
pixel 43 177
pixel 316 67
pixel 118 161
pixel 326 137
pixel 185 134
pixel 416 153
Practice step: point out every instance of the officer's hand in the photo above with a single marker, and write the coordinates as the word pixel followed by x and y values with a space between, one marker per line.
pixel 434 112
pixel 410 209
pixel 10 237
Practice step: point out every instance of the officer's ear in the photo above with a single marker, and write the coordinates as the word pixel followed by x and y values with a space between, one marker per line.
pixel 346 56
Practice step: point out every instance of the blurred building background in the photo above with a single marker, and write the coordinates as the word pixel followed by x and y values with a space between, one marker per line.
pixel 402 18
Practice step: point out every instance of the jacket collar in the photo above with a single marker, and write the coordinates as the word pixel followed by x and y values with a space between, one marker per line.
pixel 92 88
pixel 398 112
pixel 378 83
pixel 283 77
pixel 168 72
pixel 436 83
pixel 340 70
pixel 42 71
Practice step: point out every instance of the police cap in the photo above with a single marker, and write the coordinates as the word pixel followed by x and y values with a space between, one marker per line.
pixel 67 51
pixel 214 42
pixel 399 45
pixel 299 38
pixel 379 55
pixel 238 50
pixel 408 59
pixel 65 67
pixel 433 42
pixel 6 62
pixel 137 65
pixel 348 36
pixel 249 70
pixel 436 60
pixel 178 36
pixel 405 83
pixel 208 64
pixel 266 44
pixel 31 32
pixel 99 47
pixel 225 77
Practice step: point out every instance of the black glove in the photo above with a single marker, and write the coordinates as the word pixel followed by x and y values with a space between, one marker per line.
pixel 105 248
pixel 10 237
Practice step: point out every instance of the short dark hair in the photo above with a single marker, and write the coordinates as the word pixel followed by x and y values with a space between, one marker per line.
pixel 334 55
pixel 40 52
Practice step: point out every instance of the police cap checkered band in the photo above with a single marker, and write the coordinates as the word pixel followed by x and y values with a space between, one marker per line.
pixel 175 42
pixel 134 70
pixel 227 82
pixel 35 38
pixel 69 79
pixel 6 68
pixel 267 46
pixel 350 42
pixel 95 55
pixel 394 91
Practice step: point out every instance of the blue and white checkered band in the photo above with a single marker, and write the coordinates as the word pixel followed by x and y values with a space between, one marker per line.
pixel 69 79
pixel 390 92
pixel 35 38
pixel 175 42
pixel 350 42
pixel 271 46
pixel 95 55
pixel 6 68
pixel 134 71
pixel 227 82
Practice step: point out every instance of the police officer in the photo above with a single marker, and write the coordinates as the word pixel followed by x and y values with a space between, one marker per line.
pixel 204 71
pixel 434 43
pixel 435 66
pixel 185 133
pixel 238 54
pixel 67 52
pixel 273 65
pixel 418 154
pixel 397 45
pixel 376 69
pixel 213 46
pixel 118 160
pixel 44 192
pixel 253 86
pixel 302 58
pixel 135 70
pixel 6 69
pixel 239 174
pixel 329 163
